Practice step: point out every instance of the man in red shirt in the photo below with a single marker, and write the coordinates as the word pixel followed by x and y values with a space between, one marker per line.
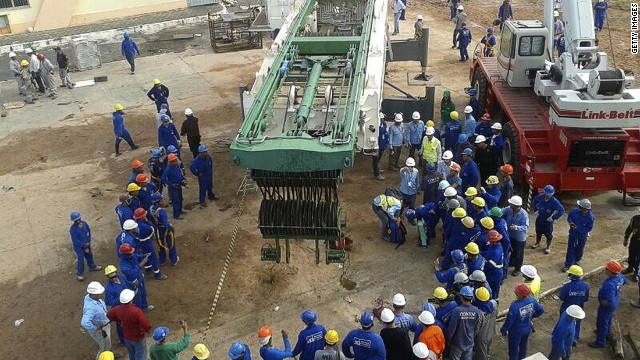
pixel 135 326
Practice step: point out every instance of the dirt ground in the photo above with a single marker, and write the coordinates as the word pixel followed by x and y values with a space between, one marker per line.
pixel 71 160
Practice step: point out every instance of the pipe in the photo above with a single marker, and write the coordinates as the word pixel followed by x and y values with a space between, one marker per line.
pixel 548 23
pixel 309 95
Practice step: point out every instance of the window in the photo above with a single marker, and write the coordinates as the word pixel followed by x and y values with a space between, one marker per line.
pixel 6 4
pixel 531 46
pixel 4 25
pixel 505 42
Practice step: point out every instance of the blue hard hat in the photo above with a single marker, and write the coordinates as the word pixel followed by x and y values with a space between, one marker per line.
pixel 202 148
pixel 430 308
pixel 236 350
pixel 549 190
pixel 75 216
pixel 411 214
pixel 490 30
pixel 156 153
pixel 160 333
pixel 126 34
pixel 471 91
pixel 430 167
pixel 308 316
pixel 156 197
pixel 467 151
pixel 458 256
pixel 466 291
pixel 443 185
pixel 366 319
pixel 172 149
pixel 164 117
pixel 462 138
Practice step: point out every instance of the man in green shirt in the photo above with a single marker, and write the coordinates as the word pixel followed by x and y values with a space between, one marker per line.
pixel 163 350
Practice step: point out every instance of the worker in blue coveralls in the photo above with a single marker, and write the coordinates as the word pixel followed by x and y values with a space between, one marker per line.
pixel 473 259
pixel 489 42
pixel 491 194
pixel 474 103
pixel 564 333
pixel 363 343
pixel 402 319
pixel 413 135
pixel 518 226
pixel 453 7
pixel 396 140
pixel 447 276
pixel 455 234
pixel 145 238
pixel 409 183
pixel 430 183
pixel 131 267
pixel 120 130
pixel 484 126
pixel 129 49
pixel 112 290
pixel 146 189
pixel 267 351
pixel 444 305
pixel 549 209
pixel 464 39
pixel 81 241
pixel 168 135
pixel 238 351
pixel 463 143
pixel 575 292
pixel 387 208
pixel 560 44
pixel 156 168
pixel 496 143
pixel 505 12
pixel 452 130
pixel 478 279
pixel 462 325
pixel 609 299
pixel 311 338
pixel 429 213
pixel 469 127
pixel 469 174
pixel 383 143
pixel 127 235
pixel 159 94
pixel 175 180
pixel 137 168
pixel 202 168
pixel 500 225
pixel 166 237
pixel 581 222
pixel 494 263
pixel 518 322
pixel 133 190
pixel 599 14
pixel 123 210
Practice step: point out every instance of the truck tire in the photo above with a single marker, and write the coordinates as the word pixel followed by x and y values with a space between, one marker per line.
pixel 511 151
pixel 479 82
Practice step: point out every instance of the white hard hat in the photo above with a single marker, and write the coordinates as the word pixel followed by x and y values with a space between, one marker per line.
pixel 188 111
pixel 460 278
pixel 95 288
pixel 584 203
pixel 426 318
pixel 556 13
pixel 381 115
pixel 398 117
pixel 460 7
pixel 420 350
pixel 415 115
pixel 28 51
pixel 12 54
pixel 468 109
pixel 129 224
pixel 450 191
pixel 496 126
pixel 126 296
pixel 480 139
pixel 419 17
pixel 430 130
pixel 515 200
pixel 575 311
pixel 387 315
pixel 478 275
pixel 399 300
pixel 529 271
pixel 447 155
pixel 410 162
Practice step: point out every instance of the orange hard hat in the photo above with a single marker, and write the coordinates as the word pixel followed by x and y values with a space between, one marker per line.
pixel 494 237
pixel 142 178
pixel 135 164
pixel 613 266
pixel 507 169
pixel 264 332
pixel 455 167
pixel 172 157
pixel 523 290
pixel 139 213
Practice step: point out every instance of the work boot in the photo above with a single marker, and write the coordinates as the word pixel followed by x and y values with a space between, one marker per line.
pixel 593 344
pixel 134 146
pixel 149 308
pixel 213 197
pixel 535 246
pixel 515 272
pixel 80 278
pixel 177 261
pixel 117 149
pixel 381 171
pixel 160 276
pixel 547 251
pixel 97 268
pixel 626 271
pixel 380 177
pixel 203 205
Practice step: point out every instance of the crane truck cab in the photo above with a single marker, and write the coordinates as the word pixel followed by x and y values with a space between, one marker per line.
pixel 522 51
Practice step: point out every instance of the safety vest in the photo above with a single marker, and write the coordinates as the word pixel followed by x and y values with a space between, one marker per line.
pixel 430 149
pixel 388 201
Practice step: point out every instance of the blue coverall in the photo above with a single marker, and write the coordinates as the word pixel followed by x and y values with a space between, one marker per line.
pixel 125 237
pixel 609 298
pixel 579 228
pixel 500 225
pixel 166 239
pixel 454 7
pixel 124 213
pixel 475 104
pixel 518 325
pixel 517 236
pixel 477 264
pixel 134 202
pixel 451 133
pixel 134 174
pixel 112 298
pixel 144 195
pixel 479 215
pixel 145 239
pixel 599 14
pixel 507 191
pixel 497 145
pixel 464 38
pixel 430 220
pixel 362 344
pixel 469 125
pixel 444 312
pixel 562 338
pixel 406 321
pixel 271 353
pixel 560 45
pixel 460 332
pixel 547 209
pixel 457 237
pixel 130 268
pixel 121 131
pixel 490 42
pixel 129 49
pixel 202 168
pixel 310 340
pixel 484 129
pixel 493 268
pixel 504 14
pixel 575 292
pixel 383 143
pixel 413 136
pixel 409 186
pixel 174 179
pixel 81 241
pixel 160 95
pixel 469 174
pixel 492 196
pixel 447 276
pixel 168 135
pixel 156 169
pixel 429 187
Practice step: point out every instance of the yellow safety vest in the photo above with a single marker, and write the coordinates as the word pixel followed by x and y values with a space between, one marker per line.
pixel 430 149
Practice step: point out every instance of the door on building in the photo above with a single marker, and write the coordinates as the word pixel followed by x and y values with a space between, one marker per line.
pixel 202 2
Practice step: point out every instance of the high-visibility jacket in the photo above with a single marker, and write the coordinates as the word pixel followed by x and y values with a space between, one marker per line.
pixel 431 149
pixel 433 337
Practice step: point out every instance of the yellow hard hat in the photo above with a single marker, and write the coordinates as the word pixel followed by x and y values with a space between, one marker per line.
pixel 478 201
pixel 468 222
pixel 482 294
pixel 492 180
pixel 156 81
pixel 24 63
pixel 331 337
pixel 487 222
pixel 459 213
pixel 201 352
pixel 106 355
pixel 472 248
pixel 133 187
pixel 575 270
pixel 118 107
pixel 471 191
pixel 110 269
pixel 430 123
pixel 454 115
pixel 440 293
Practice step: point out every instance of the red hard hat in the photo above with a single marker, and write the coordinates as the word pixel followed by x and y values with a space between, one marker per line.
pixel 139 213
pixel 614 267
pixel 172 157
pixel 494 237
pixel 126 249
pixel 455 167
pixel 523 290
pixel 142 178
pixel 136 164
pixel 264 332
pixel 40 56
pixel 486 116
